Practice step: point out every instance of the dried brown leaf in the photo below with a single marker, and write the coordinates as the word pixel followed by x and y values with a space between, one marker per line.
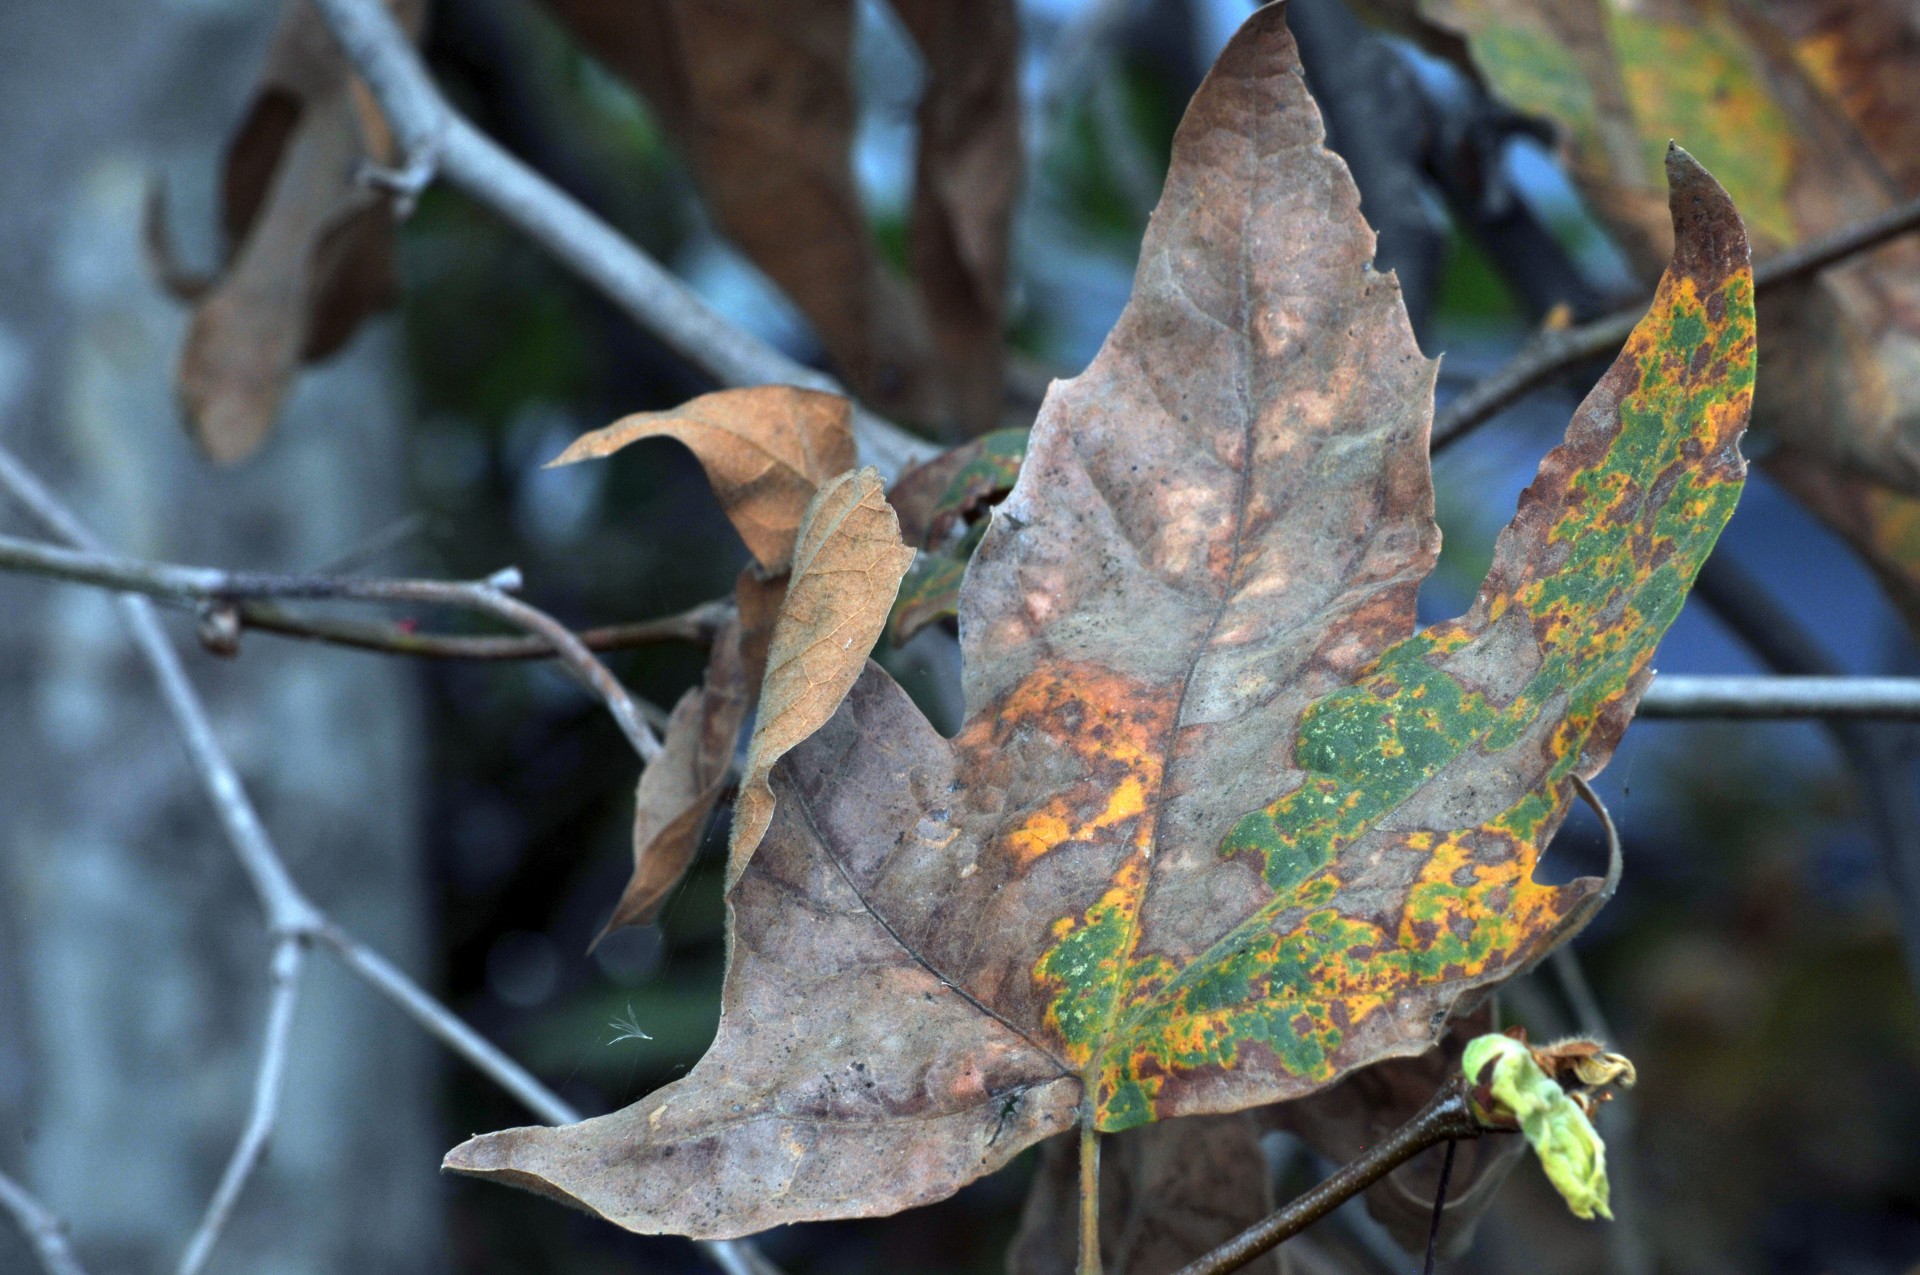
pixel 1220 826
pixel 758 94
pixel 766 450
pixel 310 247
pixel 847 566
pixel 966 178
pixel 678 788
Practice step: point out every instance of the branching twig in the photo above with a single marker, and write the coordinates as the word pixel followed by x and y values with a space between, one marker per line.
pixel 289 959
pixel 289 913
pixel 1449 1116
pixel 206 584
pixel 437 138
pixel 45 1232
pixel 1552 354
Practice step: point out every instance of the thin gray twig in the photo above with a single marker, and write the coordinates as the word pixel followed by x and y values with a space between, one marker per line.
pixel 44 1231
pixel 1783 697
pixel 289 961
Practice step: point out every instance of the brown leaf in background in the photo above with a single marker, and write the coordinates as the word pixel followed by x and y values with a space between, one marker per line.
pixel 766 450
pixel 758 95
pixel 678 788
pixel 1807 111
pixel 1168 1192
pixel 966 178
pixel 936 494
pixel 309 245
pixel 847 566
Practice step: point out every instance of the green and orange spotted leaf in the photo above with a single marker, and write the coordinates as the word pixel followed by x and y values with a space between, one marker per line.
pixel 1807 112
pixel 1220 826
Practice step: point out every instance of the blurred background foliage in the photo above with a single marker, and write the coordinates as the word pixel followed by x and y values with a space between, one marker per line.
pixel 1749 963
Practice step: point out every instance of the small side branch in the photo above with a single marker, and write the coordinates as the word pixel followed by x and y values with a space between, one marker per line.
pixel 696 625
pixel 289 959
pixel 45 1232
pixel 1550 355
pixel 1447 1117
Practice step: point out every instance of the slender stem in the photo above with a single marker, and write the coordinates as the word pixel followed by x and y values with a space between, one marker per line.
pixel 1783 697
pixel 1440 1203
pixel 437 138
pixel 696 625
pixel 208 584
pixel 1447 1116
pixel 45 1232
pixel 1089 1190
pixel 289 959
pixel 1550 355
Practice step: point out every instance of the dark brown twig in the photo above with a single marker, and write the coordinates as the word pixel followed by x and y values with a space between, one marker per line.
pixel 1551 354
pixel 696 625
pixel 1449 1116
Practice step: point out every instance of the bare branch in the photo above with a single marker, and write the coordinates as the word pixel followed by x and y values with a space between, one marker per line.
pixel 210 585
pixel 290 914
pixel 1552 354
pixel 1751 697
pixel 45 1232
pixel 289 959
pixel 696 625
pixel 1447 1117
pixel 435 137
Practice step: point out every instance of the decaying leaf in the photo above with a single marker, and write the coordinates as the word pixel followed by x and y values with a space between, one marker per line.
pixel 310 246
pixel 1806 111
pixel 847 565
pixel 1168 1192
pixel 936 495
pixel 935 501
pixel 766 450
pixel 929 593
pixel 678 788
pixel 758 94
pixel 966 177
pixel 1220 826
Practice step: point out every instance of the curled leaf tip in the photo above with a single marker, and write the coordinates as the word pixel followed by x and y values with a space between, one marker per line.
pixel 1511 1085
